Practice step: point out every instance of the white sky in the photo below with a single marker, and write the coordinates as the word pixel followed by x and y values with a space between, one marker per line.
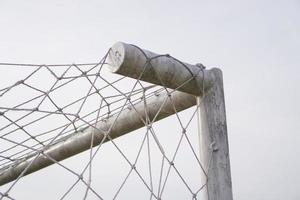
pixel 255 43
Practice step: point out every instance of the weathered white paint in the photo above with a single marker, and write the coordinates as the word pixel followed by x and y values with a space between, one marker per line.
pixel 131 61
pixel 213 144
pixel 128 120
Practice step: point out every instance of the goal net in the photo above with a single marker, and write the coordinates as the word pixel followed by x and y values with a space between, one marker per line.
pixel 78 131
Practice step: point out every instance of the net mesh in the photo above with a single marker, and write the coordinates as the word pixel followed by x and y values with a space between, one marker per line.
pixel 42 105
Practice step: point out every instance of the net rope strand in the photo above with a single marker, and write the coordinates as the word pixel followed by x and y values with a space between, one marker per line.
pixel 21 116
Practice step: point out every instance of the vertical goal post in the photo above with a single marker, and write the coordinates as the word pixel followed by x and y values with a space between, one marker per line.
pixel 192 85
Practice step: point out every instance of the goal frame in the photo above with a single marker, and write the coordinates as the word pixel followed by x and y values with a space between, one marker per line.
pixel 192 85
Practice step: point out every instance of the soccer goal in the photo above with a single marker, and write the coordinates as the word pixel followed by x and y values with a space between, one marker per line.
pixel 135 125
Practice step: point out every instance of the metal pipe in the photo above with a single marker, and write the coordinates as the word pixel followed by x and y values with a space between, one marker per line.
pixel 117 125
pixel 130 60
pixel 213 142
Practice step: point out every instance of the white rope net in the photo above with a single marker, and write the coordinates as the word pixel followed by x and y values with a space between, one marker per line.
pixel 41 105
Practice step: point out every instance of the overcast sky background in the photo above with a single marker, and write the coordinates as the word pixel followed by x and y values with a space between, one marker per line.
pixel 255 43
